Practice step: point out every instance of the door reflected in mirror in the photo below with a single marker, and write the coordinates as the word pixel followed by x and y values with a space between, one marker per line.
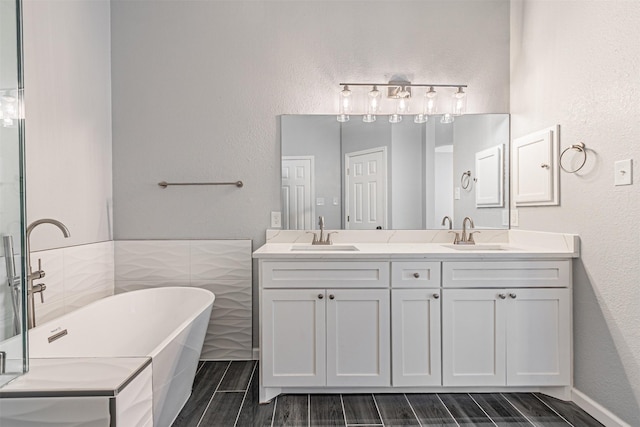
pixel 399 176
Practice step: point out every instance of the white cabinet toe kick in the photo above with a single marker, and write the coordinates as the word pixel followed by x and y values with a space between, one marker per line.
pixel 399 326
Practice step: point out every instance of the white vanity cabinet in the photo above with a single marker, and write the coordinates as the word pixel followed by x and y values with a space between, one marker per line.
pixel 513 336
pixel 415 324
pixel 336 336
pixel 431 323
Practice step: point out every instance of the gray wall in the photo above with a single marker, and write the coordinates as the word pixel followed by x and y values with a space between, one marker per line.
pixel 318 136
pixel 197 87
pixel 408 191
pixel 67 81
pixel 577 64
pixel 471 134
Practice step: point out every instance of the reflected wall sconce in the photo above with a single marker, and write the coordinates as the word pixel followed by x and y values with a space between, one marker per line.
pixel 9 107
pixel 400 94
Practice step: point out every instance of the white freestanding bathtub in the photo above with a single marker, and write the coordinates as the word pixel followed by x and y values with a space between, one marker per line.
pixel 166 324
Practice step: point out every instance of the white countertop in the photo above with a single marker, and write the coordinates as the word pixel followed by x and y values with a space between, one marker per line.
pixel 514 245
pixel 75 377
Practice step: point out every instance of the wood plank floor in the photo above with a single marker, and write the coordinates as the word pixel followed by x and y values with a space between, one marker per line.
pixel 226 394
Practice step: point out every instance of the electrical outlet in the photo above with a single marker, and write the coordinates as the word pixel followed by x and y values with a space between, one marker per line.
pixel 514 217
pixel 276 220
pixel 456 193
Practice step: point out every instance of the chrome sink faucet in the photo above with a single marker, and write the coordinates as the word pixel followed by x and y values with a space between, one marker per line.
pixel 445 219
pixel 39 274
pixel 321 240
pixel 467 239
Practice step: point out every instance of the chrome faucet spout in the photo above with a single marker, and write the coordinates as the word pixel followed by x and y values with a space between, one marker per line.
pixel 445 219
pixel 34 275
pixel 464 239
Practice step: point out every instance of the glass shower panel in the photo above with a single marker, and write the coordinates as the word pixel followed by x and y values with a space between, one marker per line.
pixel 13 346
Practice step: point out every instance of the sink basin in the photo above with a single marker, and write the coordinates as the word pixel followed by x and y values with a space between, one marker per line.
pixel 477 247
pixel 321 248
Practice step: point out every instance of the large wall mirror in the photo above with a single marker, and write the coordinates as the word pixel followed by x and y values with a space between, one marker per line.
pixel 394 176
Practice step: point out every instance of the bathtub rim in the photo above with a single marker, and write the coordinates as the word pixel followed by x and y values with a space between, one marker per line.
pixel 179 328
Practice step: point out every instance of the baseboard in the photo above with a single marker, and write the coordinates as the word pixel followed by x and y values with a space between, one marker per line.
pixel 256 354
pixel 596 410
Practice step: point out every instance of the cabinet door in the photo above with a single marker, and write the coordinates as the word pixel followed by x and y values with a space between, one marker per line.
pixel 358 338
pixel 538 337
pixel 473 337
pixel 293 337
pixel 415 334
pixel 535 172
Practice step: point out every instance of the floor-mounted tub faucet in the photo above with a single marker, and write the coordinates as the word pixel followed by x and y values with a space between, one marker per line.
pixel 39 274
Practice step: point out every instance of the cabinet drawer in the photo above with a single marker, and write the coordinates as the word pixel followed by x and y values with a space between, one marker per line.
pixel 415 274
pixel 311 274
pixel 495 274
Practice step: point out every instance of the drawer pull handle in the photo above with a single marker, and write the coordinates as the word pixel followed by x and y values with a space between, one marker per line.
pixel 416 275
pixel 436 296
pixel 513 295
pixel 320 296
pixel 502 296
pixel 332 296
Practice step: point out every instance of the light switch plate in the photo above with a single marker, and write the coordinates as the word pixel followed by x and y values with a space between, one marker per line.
pixel 456 193
pixel 276 220
pixel 336 201
pixel 623 172
pixel 320 201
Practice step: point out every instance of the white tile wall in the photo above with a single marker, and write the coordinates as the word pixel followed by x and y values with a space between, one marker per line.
pixel 75 276
pixel 221 266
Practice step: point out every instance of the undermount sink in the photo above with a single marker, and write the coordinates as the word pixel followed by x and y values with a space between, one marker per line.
pixel 477 247
pixel 324 248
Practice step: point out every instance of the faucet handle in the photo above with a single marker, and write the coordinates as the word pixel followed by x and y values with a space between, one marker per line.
pixel 315 237
pixel 329 242
pixel 456 239
pixel 471 237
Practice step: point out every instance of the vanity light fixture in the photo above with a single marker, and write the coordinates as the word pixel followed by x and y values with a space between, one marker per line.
pixel 400 92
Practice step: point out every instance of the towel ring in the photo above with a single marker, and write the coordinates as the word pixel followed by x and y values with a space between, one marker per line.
pixel 465 179
pixel 580 147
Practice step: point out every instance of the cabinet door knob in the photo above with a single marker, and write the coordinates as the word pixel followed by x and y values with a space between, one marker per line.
pixel 416 275
pixel 502 296
pixel 320 296
pixel 436 296
pixel 512 295
pixel 332 296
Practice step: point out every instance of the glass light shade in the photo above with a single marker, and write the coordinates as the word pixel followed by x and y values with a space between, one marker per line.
pixel 395 118
pixel 447 118
pixel 373 105
pixel 420 118
pixel 345 105
pixel 459 102
pixel 431 101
